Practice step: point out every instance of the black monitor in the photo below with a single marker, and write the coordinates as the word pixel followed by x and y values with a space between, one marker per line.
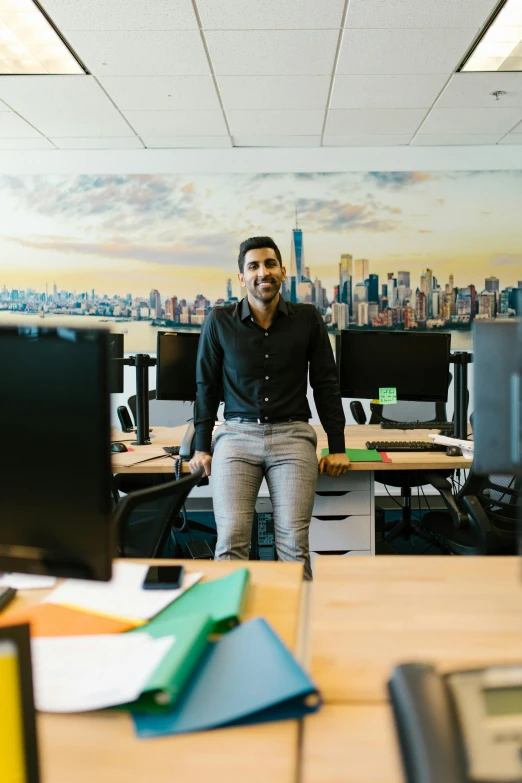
pixel 176 365
pixel 116 363
pixel 55 473
pixel 416 364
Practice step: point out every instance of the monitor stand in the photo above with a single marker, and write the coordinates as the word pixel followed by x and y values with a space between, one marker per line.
pixel 142 362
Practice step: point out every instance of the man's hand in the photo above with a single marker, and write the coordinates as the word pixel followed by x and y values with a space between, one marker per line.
pixel 334 464
pixel 201 459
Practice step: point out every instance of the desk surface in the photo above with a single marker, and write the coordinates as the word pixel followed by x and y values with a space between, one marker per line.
pixel 367 614
pixel 102 747
pixel 356 437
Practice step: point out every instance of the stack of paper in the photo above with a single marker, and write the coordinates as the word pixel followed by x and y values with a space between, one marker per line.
pixel 123 597
pixel 54 620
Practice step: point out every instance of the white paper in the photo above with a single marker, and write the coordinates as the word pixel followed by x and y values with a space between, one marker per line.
pixel 467 446
pixel 83 673
pixel 122 597
pixel 27 581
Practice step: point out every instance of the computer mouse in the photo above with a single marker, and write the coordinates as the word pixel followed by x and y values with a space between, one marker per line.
pixel 117 448
pixel 454 451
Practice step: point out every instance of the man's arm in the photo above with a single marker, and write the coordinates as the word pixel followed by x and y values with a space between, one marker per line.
pixel 323 380
pixel 209 383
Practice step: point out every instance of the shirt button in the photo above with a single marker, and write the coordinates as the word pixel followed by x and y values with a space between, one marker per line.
pixel 266 334
pixel 266 399
pixel 266 377
pixel 251 319
pixel 266 418
pixel 266 356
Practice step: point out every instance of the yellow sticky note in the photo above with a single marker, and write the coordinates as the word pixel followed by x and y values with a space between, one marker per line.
pixel 387 396
pixel 12 757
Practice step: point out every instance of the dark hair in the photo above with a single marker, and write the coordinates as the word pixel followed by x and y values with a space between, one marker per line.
pixel 256 243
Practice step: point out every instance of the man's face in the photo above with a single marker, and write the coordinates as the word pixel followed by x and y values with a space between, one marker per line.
pixel 262 274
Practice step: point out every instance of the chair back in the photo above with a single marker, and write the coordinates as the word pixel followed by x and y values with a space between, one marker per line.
pixel 144 519
pixel 405 410
pixel 501 499
pixel 163 413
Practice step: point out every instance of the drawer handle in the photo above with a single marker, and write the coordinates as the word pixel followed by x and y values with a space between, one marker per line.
pixel 332 517
pixel 333 493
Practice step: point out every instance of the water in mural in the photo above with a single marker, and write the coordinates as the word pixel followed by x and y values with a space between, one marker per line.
pixel 402 250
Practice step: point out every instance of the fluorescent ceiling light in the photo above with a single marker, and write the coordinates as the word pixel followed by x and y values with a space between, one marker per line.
pixel 500 48
pixel 29 43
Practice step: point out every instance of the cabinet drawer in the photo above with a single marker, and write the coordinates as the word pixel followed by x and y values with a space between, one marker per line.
pixel 355 479
pixel 342 503
pixel 340 534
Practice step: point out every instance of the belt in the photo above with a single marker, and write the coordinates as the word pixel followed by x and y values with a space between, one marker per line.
pixel 260 420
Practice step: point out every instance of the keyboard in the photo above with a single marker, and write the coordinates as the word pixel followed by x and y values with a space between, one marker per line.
pixel 404 445
pixel 172 450
pixel 444 426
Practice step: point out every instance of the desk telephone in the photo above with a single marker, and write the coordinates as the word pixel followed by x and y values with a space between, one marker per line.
pixel 463 727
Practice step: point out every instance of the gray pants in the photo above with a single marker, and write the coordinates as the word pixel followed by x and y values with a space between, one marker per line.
pixel 285 454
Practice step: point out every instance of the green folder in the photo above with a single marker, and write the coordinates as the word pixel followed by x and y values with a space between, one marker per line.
pixel 359 455
pixel 223 599
pixel 190 643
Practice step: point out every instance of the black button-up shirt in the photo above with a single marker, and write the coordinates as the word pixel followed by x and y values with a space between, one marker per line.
pixel 262 374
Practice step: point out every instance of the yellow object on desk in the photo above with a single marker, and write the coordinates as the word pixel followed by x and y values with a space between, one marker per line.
pixel 12 757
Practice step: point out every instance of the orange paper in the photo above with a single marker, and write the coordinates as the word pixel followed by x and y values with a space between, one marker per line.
pixel 54 620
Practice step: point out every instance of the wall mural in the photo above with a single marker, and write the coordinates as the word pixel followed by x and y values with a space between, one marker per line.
pixel 410 250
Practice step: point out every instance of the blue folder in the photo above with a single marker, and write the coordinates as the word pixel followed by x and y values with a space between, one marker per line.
pixel 247 676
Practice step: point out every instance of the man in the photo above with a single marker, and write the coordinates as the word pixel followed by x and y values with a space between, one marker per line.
pixel 256 355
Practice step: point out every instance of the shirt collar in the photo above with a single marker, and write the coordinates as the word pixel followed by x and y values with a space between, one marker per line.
pixel 245 308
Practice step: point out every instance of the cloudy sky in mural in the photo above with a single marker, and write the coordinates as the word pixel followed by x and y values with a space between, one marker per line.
pixel 180 234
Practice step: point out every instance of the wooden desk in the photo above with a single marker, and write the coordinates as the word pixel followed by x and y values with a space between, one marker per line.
pixel 101 747
pixel 347 743
pixel 368 614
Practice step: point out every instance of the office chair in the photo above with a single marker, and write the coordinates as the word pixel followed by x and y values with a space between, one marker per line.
pixel 491 507
pixel 144 519
pixel 426 412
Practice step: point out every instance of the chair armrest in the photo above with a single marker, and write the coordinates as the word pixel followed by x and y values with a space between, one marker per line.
pixel 444 488
pixel 478 516
pixel 358 412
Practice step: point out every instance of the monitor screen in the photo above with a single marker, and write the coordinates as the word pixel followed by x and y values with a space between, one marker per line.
pixel 176 365
pixel 115 363
pixel 415 364
pixel 55 473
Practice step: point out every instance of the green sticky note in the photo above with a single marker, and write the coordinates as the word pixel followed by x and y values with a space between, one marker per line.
pixel 387 396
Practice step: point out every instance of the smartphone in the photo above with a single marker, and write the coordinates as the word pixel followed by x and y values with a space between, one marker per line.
pixel 163 577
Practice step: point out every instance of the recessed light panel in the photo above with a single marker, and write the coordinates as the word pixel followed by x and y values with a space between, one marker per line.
pixel 29 44
pixel 500 48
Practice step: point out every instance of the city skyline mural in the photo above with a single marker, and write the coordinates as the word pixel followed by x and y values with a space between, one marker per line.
pixel 373 242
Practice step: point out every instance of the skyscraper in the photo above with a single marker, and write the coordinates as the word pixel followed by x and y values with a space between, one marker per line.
pixel 492 284
pixel 403 278
pixel 345 280
pixel 297 256
pixel 155 302
pixel 229 289
pixel 362 270
pixel 373 288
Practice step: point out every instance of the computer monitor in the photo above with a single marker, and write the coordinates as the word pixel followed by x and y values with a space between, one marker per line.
pixel 55 473
pixel 416 364
pixel 176 365
pixel 497 418
pixel 116 363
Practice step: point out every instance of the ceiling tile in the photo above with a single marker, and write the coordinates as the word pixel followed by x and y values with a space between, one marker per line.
pixel 276 141
pixel 367 141
pixel 403 51
pixel 470 121
pixel 418 13
pixel 512 138
pixel 4 107
pixel 64 105
pixel 161 93
pixel 270 14
pixel 463 139
pixel 272 52
pixel 284 123
pixel 161 53
pixel 131 143
pixel 12 126
pixel 38 143
pixel 177 123
pixel 517 129
pixel 274 92
pixel 342 122
pixel 121 14
pixel 474 90
pixel 181 142
pixel 386 91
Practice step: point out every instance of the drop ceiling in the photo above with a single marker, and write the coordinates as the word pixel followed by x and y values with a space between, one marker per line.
pixel 263 73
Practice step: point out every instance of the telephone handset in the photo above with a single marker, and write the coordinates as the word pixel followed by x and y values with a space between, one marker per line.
pixel 186 450
pixel 463 727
